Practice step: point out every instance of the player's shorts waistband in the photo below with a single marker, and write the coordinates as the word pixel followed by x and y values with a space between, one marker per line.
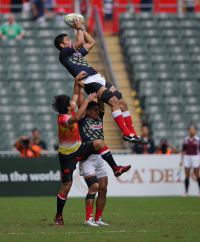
pixel 95 78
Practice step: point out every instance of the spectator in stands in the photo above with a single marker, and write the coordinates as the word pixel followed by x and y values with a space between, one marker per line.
pixel 146 149
pixel 49 9
pixel 26 147
pixel 60 14
pixel 11 29
pixel 84 12
pixel 108 15
pixel 38 10
pixel 145 5
pixel 13 7
pixel 189 5
pixel 166 148
pixel 26 7
pixel 37 140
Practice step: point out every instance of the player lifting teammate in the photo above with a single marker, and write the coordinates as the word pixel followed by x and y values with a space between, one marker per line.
pixel 93 169
pixel 71 57
pixel 70 148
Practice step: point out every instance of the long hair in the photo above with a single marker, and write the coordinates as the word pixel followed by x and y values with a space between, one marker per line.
pixel 61 103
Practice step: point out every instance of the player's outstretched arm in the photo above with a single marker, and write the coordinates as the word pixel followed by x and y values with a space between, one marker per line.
pixel 78 78
pixel 89 41
pixel 80 113
pixel 81 98
pixel 78 43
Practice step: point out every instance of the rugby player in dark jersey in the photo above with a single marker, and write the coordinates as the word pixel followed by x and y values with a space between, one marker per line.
pixel 93 168
pixel 71 149
pixel 72 58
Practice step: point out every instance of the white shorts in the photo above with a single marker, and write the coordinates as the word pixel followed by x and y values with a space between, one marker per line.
pixel 191 161
pixel 95 78
pixel 94 165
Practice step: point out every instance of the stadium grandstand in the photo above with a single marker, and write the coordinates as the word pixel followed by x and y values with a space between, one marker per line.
pixel 155 64
pixel 150 51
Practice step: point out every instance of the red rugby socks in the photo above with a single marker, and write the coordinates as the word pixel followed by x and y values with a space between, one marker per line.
pixel 119 119
pixel 129 122
pixel 98 214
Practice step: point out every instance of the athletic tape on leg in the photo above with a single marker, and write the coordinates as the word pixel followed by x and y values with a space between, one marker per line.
pixel 106 96
pixel 91 180
pixel 117 94
pixel 90 196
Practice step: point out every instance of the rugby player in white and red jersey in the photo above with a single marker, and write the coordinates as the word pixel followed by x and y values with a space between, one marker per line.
pixel 190 156
pixel 72 58
pixel 71 149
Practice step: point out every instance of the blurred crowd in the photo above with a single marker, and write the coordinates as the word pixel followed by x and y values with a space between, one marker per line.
pixel 164 147
pixel 30 146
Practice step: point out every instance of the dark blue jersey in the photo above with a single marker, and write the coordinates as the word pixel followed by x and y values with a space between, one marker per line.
pixel 74 62
pixel 91 129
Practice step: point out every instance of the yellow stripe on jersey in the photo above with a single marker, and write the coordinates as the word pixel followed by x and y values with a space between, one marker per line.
pixel 66 150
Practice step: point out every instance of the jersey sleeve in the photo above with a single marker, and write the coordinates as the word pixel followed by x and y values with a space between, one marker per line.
pixel 184 146
pixel 83 51
pixel 68 51
pixel 63 120
pixel 80 122
pixel 101 114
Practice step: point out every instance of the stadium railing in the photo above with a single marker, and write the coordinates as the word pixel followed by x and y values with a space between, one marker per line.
pixel 103 49
pixel 53 153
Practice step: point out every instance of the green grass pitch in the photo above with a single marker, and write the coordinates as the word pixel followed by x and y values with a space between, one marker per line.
pixel 131 219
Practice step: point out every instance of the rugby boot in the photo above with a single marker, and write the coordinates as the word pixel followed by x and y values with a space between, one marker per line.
pixel 90 222
pixel 118 170
pixel 59 220
pixel 132 138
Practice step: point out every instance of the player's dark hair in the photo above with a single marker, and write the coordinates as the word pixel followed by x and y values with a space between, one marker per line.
pixel 35 130
pixel 91 104
pixel 145 125
pixel 61 103
pixel 59 40
pixel 192 125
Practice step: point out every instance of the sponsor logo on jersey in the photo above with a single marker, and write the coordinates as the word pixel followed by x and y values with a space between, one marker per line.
pixel 91 126
pixel 76 54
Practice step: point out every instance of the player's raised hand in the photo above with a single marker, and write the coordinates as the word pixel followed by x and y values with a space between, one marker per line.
pixel 81 84
pixel 81 75
pixel 77 23
pixel 92 97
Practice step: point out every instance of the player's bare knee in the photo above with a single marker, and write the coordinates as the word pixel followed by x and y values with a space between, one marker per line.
pixel 123 104
pixel 102 190
pixel 93 188
pixel 99 144
pixel 114 102
pixel 66 187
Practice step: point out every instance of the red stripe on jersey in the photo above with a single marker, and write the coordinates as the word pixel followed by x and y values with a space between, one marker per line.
pixel 66 170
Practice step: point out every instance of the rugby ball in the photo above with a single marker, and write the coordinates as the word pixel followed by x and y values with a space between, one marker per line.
pixel 69 18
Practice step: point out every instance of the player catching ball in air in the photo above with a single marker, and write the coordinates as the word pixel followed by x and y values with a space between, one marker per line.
pixel 72 58
pixel 190 156
pixel 71 149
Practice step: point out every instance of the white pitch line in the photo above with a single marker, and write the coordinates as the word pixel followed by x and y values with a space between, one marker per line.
pixel 172 213
pixel 121 231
